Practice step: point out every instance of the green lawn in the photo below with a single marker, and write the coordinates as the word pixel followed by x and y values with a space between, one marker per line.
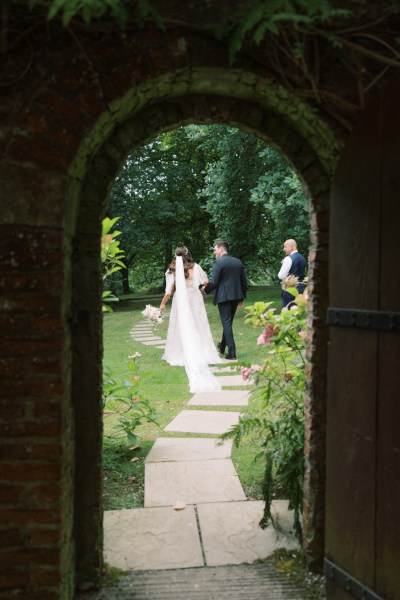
pixel 166 388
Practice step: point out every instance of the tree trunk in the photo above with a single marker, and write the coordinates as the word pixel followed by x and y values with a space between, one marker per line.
pixel 125 282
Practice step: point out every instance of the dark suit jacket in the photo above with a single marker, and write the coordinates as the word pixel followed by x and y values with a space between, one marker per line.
pixel 228 279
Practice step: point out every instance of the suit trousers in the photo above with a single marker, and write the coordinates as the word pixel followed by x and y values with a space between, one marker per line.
pixel 227 312
pixel 288 298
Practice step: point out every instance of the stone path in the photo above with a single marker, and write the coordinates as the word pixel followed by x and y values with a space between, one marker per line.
pixel 195 510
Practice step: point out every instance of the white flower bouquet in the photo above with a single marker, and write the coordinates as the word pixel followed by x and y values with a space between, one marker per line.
pixel 289 282
pixel 153 314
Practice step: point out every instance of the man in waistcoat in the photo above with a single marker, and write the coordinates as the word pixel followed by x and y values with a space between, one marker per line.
pixel 228 279
pixel 293 264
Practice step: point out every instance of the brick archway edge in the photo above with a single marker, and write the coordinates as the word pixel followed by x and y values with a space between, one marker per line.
pixel 93 172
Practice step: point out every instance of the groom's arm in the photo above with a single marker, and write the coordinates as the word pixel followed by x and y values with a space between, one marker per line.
pixel 215 275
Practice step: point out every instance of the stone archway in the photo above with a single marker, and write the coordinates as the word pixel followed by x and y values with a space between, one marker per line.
pixel 93 171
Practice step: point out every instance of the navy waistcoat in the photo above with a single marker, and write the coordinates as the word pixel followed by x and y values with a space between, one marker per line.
pixel 298 267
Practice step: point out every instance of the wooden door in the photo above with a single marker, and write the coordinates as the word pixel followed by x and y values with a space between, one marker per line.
pixel 363 426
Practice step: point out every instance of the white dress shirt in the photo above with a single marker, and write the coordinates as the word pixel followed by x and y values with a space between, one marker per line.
pixel 286 265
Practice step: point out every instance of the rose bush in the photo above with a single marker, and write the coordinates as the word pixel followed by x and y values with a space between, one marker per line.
pixel 277 419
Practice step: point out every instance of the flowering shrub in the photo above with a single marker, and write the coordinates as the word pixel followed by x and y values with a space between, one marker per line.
pixel 266 338
pixel 248 371
pixel 123 398
pixel 277 421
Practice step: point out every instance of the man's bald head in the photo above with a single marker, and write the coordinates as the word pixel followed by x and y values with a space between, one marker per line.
pixel 289 246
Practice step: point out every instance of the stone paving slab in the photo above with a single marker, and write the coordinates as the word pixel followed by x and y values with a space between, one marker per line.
pixel 152 538
pixel 231 535
pixel 146 331
pixel 283 517
pixel 191 482
pixel 203 421
pixel 233 381
pixel 142 335
pixel 185 449
pixel 148 338
pixel 217 370
pixel 222 398
pixel 152 342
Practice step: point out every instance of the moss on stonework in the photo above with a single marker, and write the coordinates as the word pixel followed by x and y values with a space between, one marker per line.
pixel 227 83
pixel 108 577
pixel 291 564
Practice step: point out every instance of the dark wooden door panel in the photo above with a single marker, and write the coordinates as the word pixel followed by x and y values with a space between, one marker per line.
pixel 390 201
pixel 388 413
pixel 363 444
pixel 351 468
pixel 354 223
pixel 388 469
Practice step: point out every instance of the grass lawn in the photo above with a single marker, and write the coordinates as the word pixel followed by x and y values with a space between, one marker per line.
pixel 166 388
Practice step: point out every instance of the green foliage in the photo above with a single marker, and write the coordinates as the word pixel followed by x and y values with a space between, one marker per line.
pixel 254 198
pixel 122 398
pixel 198 183
pixel 96 9
pixel 233 169
pixel 277 420
pixel 291 564
pixel 155 194
pixel 111 255
pixel 260 18
pixel 285 209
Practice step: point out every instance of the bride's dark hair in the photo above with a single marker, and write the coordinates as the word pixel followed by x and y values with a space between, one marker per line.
pixel 188 261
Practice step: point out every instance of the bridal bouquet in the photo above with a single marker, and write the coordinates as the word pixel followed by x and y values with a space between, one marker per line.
pixel 153 314
pixel 289 282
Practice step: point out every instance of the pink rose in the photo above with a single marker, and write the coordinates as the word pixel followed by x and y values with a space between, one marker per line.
pixel 261 340
pixel 246 372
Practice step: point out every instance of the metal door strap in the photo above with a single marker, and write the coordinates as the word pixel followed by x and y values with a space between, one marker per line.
pixel 365 319
pixel 347 582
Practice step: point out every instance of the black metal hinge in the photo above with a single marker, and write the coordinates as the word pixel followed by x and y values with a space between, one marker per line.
pixel 347 582
pixel 365 319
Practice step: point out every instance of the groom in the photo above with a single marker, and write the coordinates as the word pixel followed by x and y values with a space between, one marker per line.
pixel 228 279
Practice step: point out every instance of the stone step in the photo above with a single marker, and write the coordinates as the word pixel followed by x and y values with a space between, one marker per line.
pixel 221 398
pixel 233 381
pixel 237 582
pixel 191 482
pixel 203 421
pixel 212 534
pixel 185 449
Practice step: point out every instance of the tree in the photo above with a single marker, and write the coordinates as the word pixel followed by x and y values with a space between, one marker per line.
pixel 156 196
pixel 254 198
pixel 198 183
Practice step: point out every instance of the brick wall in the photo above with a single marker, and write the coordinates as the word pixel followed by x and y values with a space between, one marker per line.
pixel 85 101
pixel 35 448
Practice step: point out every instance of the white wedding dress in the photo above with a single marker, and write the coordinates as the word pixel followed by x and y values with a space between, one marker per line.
pixel 189 340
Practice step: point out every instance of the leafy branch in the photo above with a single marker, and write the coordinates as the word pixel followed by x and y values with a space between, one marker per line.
pixel 111 257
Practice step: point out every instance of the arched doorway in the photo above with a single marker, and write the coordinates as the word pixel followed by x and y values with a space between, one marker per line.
pixel 89 193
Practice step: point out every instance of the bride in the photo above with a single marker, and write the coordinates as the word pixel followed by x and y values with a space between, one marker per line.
pixel 189 341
